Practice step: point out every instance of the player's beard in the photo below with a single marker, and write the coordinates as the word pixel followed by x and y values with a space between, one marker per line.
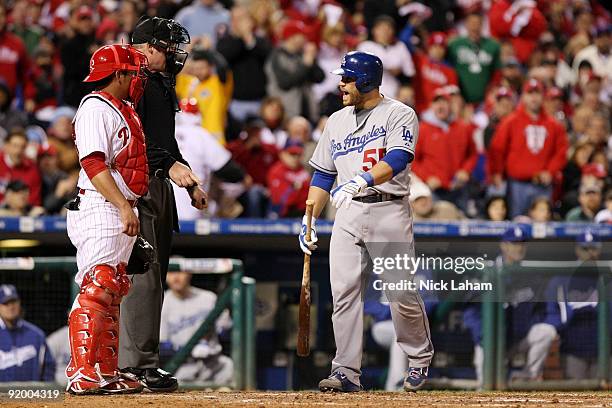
pixel 351 98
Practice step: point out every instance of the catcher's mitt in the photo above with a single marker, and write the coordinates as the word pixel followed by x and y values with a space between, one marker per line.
pixel 143 256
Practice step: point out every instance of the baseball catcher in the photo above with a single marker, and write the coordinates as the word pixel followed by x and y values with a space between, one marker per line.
pixel 102 221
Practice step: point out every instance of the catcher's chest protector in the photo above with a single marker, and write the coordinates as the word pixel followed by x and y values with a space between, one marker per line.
pixel 131 160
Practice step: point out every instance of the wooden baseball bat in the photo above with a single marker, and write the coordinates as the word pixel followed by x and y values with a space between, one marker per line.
pixel 303 339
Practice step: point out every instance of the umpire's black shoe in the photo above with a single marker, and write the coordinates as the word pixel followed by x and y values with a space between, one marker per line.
pixel 153 379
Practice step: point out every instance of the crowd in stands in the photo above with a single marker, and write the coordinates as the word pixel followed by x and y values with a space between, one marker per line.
pixel 513 98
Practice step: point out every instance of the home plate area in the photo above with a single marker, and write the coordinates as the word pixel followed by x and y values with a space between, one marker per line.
pixel 462 399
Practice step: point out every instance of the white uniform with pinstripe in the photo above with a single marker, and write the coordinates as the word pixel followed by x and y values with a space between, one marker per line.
pixel 96 229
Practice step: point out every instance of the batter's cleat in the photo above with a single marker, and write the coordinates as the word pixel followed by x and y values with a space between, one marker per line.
pixel 415 378
pixel 153 379
pixel 338 382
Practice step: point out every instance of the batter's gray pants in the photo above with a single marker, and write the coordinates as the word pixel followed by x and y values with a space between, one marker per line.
pixel 361 224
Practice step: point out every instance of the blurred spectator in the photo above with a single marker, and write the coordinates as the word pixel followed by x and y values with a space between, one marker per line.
pixel 265 14
pixel 289 182
pixel 580 122
pixel 291 69
pixel 531 326
pixel 76 49
pixel 476 58
pixel 129 12
pixel 59 346
pixel 256 157
pixel 206 157
pixel 598 54
pixel 597 131
pixel 554 106
pixel 185 308
pixel 25 355
pixel 529 148
pixel 496 208
pixel 503 105
pixel 43 85
pixel 605 216
pixel 273 114
pixel 396 59
pixel 511 75
pixel 446 153
pixel 299 130
pixel 57 187
pixel 520 21
pixel 29 31
pixel 14 62
pixel 246 54
pixel 329 58
pixel 425 209
pixel 204 18
pixel 60 137
pixel 207 89
pixel 407 96
pixel 431 71
pixel 540 210
pixel 15 201
pixel 107 31
pixel 589 198
pixel 14 165
pixel 572 173
pixel 10 117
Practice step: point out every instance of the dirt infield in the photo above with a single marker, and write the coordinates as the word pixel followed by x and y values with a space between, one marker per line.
pixel 316 399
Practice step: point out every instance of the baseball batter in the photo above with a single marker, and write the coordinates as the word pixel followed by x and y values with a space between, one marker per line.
pixel 102 222
pixel 367 146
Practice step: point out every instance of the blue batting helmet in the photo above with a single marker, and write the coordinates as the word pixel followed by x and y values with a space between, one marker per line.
pixel 365 68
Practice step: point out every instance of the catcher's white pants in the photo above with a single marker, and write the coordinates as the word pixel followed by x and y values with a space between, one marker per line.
pixel 97 233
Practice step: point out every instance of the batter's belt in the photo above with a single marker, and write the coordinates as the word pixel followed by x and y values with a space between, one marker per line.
pixel 378 198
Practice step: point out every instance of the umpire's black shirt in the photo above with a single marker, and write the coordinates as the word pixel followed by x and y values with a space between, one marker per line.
pixel 156 110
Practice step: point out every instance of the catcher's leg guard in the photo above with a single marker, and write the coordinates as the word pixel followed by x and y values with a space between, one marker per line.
pixel 87 324
pixel 108 354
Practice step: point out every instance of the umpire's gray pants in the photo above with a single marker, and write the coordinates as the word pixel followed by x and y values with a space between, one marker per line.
pixel 140 316
pixel 354 228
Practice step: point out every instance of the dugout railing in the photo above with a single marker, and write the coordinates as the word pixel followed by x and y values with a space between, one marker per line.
pixel 238 296
pixel 495 369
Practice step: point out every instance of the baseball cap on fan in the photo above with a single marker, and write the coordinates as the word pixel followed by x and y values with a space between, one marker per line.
pixel 533 85
pixel 442 92
pixel 503 92
pixel 84 12
pixel 8 293
pixel 437 38
pixel 294 147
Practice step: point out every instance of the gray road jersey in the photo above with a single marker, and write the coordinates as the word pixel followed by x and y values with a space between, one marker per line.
pixel 348 148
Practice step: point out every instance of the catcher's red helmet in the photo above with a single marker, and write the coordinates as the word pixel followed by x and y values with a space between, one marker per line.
pixel 111 58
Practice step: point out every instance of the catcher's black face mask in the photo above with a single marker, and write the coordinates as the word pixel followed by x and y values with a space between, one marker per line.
pixel 168 36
